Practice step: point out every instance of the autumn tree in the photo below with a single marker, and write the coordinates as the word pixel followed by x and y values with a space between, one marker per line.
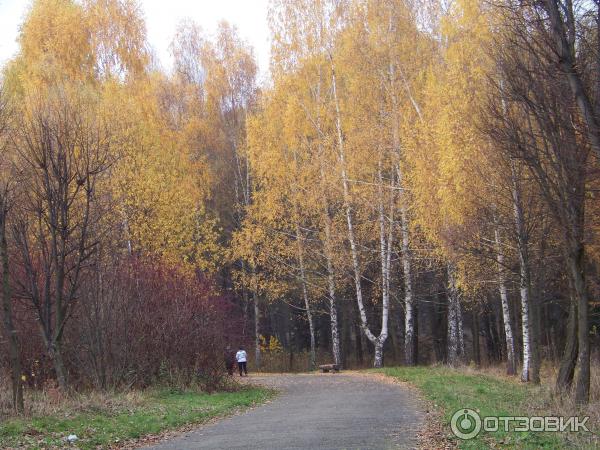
pixel 540 129
pixel 570 39
pixel 7 200
pixel 64 150
pixel 300 38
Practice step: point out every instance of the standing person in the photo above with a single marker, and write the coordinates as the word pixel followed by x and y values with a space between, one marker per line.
pixel 229 358
pixel 241 359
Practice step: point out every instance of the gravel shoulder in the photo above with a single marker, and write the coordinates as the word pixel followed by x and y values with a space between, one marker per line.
pixel 317 411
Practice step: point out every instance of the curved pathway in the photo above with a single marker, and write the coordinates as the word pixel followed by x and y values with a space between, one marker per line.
pixel 329 411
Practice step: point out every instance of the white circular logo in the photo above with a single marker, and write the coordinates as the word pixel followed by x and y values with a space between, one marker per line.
pixel 465 423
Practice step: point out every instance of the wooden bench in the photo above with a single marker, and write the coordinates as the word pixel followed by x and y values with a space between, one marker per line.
pixel 326 368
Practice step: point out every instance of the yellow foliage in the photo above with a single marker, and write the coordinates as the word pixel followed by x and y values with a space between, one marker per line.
pixel 271 346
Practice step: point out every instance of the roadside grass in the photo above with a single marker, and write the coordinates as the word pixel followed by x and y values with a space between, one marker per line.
pixel 453 389
pixel 152 412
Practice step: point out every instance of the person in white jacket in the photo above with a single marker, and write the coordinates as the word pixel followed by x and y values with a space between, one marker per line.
pixel 241 357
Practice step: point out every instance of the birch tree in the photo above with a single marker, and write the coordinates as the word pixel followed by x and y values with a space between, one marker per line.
pixel 399 54
pixel 511 366
pixel 301 33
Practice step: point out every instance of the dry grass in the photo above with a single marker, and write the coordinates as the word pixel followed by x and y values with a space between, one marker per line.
pixel 49 403
pixel 553 402
pixel 111 420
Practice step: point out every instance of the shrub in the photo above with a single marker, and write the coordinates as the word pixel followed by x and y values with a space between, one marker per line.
pixel 137 323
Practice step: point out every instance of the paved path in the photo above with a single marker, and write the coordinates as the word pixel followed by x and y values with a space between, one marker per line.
pixel 330 411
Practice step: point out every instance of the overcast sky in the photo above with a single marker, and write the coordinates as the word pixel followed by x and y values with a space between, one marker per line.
pixel 162 17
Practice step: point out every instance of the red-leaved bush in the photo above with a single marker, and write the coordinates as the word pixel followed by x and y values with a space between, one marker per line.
pixel 137 323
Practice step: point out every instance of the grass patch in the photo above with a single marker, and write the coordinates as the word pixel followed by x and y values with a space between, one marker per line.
pixel 153 413
pixel 451 390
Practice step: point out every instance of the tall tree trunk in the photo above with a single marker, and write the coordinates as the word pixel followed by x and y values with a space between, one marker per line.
pixel 58 363
pixel 410 336
pixel 410 317
pixel 328 247
pixel 416 308
pixel 455 341
pixel 452 331
pixel 439 327
pixel 574 238
pixel 360 358
pixel 9 328
pixel 245 301
pixel 333 319
pixel 376 341
pixel 347 338
pixel 531 367
pixel 385 250
pixel 257 355
pixel 394 344
pixel 576 260
pixel 399 329
pixel 568 360
pixel 563 33
pixel 309 317
pixel 300 255
pixel 526 373
pixel 378 358
pixel 511 360
pixel 475 332
pixel 461 333
pixel 491 337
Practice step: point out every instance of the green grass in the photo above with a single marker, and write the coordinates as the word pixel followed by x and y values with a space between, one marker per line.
pixel 452 390
pixel 157 412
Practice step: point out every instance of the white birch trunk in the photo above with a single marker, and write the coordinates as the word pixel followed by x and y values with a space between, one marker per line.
pixel 378 361
pixel 526 371
pixel 508 331
pixel 452 333
pixel 378 353
pixel 348 211
pixel 335 337
pixel 410 343
pixel 455 340
pixel 461 335
pixel 410 357
pixel 385 246
pixel 524 280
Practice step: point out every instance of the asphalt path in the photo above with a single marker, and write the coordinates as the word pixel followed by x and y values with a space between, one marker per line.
pixel 324 411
